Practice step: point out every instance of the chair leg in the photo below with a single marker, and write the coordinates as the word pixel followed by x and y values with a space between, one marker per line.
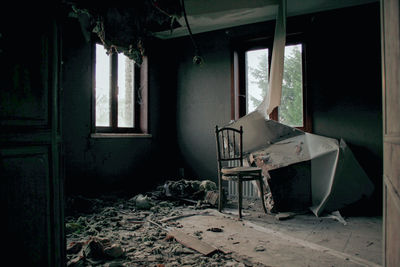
pixel 260 182
pixel 240 195
pixel 219 193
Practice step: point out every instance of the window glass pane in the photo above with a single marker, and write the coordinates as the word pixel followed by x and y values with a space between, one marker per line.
pixel 290 112
pixel 102 87
pixel 256 77
pixel 125 91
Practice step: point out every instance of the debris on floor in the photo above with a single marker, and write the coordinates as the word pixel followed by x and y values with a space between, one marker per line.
pixel 135 231
pixel 259 248
pixel 284 215
pixel 202 193
pixel 120 231
pixel 215 229
pixel 337 216
pixel 192 242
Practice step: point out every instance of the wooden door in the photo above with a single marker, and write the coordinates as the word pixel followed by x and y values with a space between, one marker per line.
pixel 30 143
pixel 391 142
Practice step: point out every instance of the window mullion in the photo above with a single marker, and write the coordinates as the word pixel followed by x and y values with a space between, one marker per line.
pixel 114 90
pixel 242 94
pixel 137 96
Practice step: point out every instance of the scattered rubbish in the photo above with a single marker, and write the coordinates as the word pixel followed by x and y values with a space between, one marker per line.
pixel 182 188
pixel 119 233
pixel 189 190
pixel 269 202
pixel 158 225
pixel 284 216
pixel 115 251
pixel 198 234
pixel 259 248
pixel 114 264
pixel 78 260
pixel 74 247
pixel 192 242
pixel 73 227
pixel 215 229
pixel 207 185
pixel 281 216
pixel 336 215
pixel 212 198
pixel 134 221
pixel 94 249
pixel 143 202
pixel 244 259
pixel 370 243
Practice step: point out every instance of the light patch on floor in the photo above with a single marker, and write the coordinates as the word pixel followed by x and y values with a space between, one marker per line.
pixel 304 240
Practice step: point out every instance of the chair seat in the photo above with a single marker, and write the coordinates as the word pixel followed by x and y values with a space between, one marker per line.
pixel 247 173
pixel 243 170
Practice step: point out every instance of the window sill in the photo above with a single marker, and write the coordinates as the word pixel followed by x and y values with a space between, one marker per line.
pixel 119 135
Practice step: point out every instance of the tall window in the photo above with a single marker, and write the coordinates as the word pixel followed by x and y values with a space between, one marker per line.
pixel 118 93
pixel 254 66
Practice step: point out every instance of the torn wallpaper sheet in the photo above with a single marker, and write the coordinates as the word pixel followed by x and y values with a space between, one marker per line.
pixel 337 179
pixel 274 92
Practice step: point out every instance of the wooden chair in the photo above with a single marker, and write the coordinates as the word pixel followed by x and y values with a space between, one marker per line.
pixel 230 164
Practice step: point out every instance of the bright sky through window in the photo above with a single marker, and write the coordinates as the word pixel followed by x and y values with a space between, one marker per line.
pixel 103 94
pixel 125 91
pixel 256 77
pixel 290 112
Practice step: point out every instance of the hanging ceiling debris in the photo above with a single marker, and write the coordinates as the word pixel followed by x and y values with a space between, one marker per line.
pixel 127 29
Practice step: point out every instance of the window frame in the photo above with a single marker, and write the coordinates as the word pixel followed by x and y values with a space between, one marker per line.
pixel 140 118
pixel 238 69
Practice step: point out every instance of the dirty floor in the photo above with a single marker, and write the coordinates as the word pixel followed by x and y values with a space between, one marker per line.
pixel 302 240
pixel 117 232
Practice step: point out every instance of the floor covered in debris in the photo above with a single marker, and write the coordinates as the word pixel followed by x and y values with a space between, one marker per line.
pixel 152 229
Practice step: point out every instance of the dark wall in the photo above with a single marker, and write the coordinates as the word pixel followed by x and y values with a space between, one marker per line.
pixel 203 95
pixel 344 80
pixel 94 166
pixel 342 73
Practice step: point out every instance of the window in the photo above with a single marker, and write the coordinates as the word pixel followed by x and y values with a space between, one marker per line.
pixel 257 70
pixel 252 71
pixel 120 93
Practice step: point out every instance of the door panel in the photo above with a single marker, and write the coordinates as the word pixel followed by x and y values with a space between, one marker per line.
pixel 391 141
pixel 30 175
pixel 24 72
pixel 392 219
pixel 25 192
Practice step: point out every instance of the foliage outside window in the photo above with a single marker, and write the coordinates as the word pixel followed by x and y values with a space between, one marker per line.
pixel 255 66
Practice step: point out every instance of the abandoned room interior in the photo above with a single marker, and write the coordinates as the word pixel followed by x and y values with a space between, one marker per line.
pixel 116 123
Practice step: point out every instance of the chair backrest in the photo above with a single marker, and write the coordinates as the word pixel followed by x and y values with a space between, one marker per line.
pixel 229 146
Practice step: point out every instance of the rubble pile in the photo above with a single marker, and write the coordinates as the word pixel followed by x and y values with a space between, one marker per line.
pixel 192 189
pixel 111 231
